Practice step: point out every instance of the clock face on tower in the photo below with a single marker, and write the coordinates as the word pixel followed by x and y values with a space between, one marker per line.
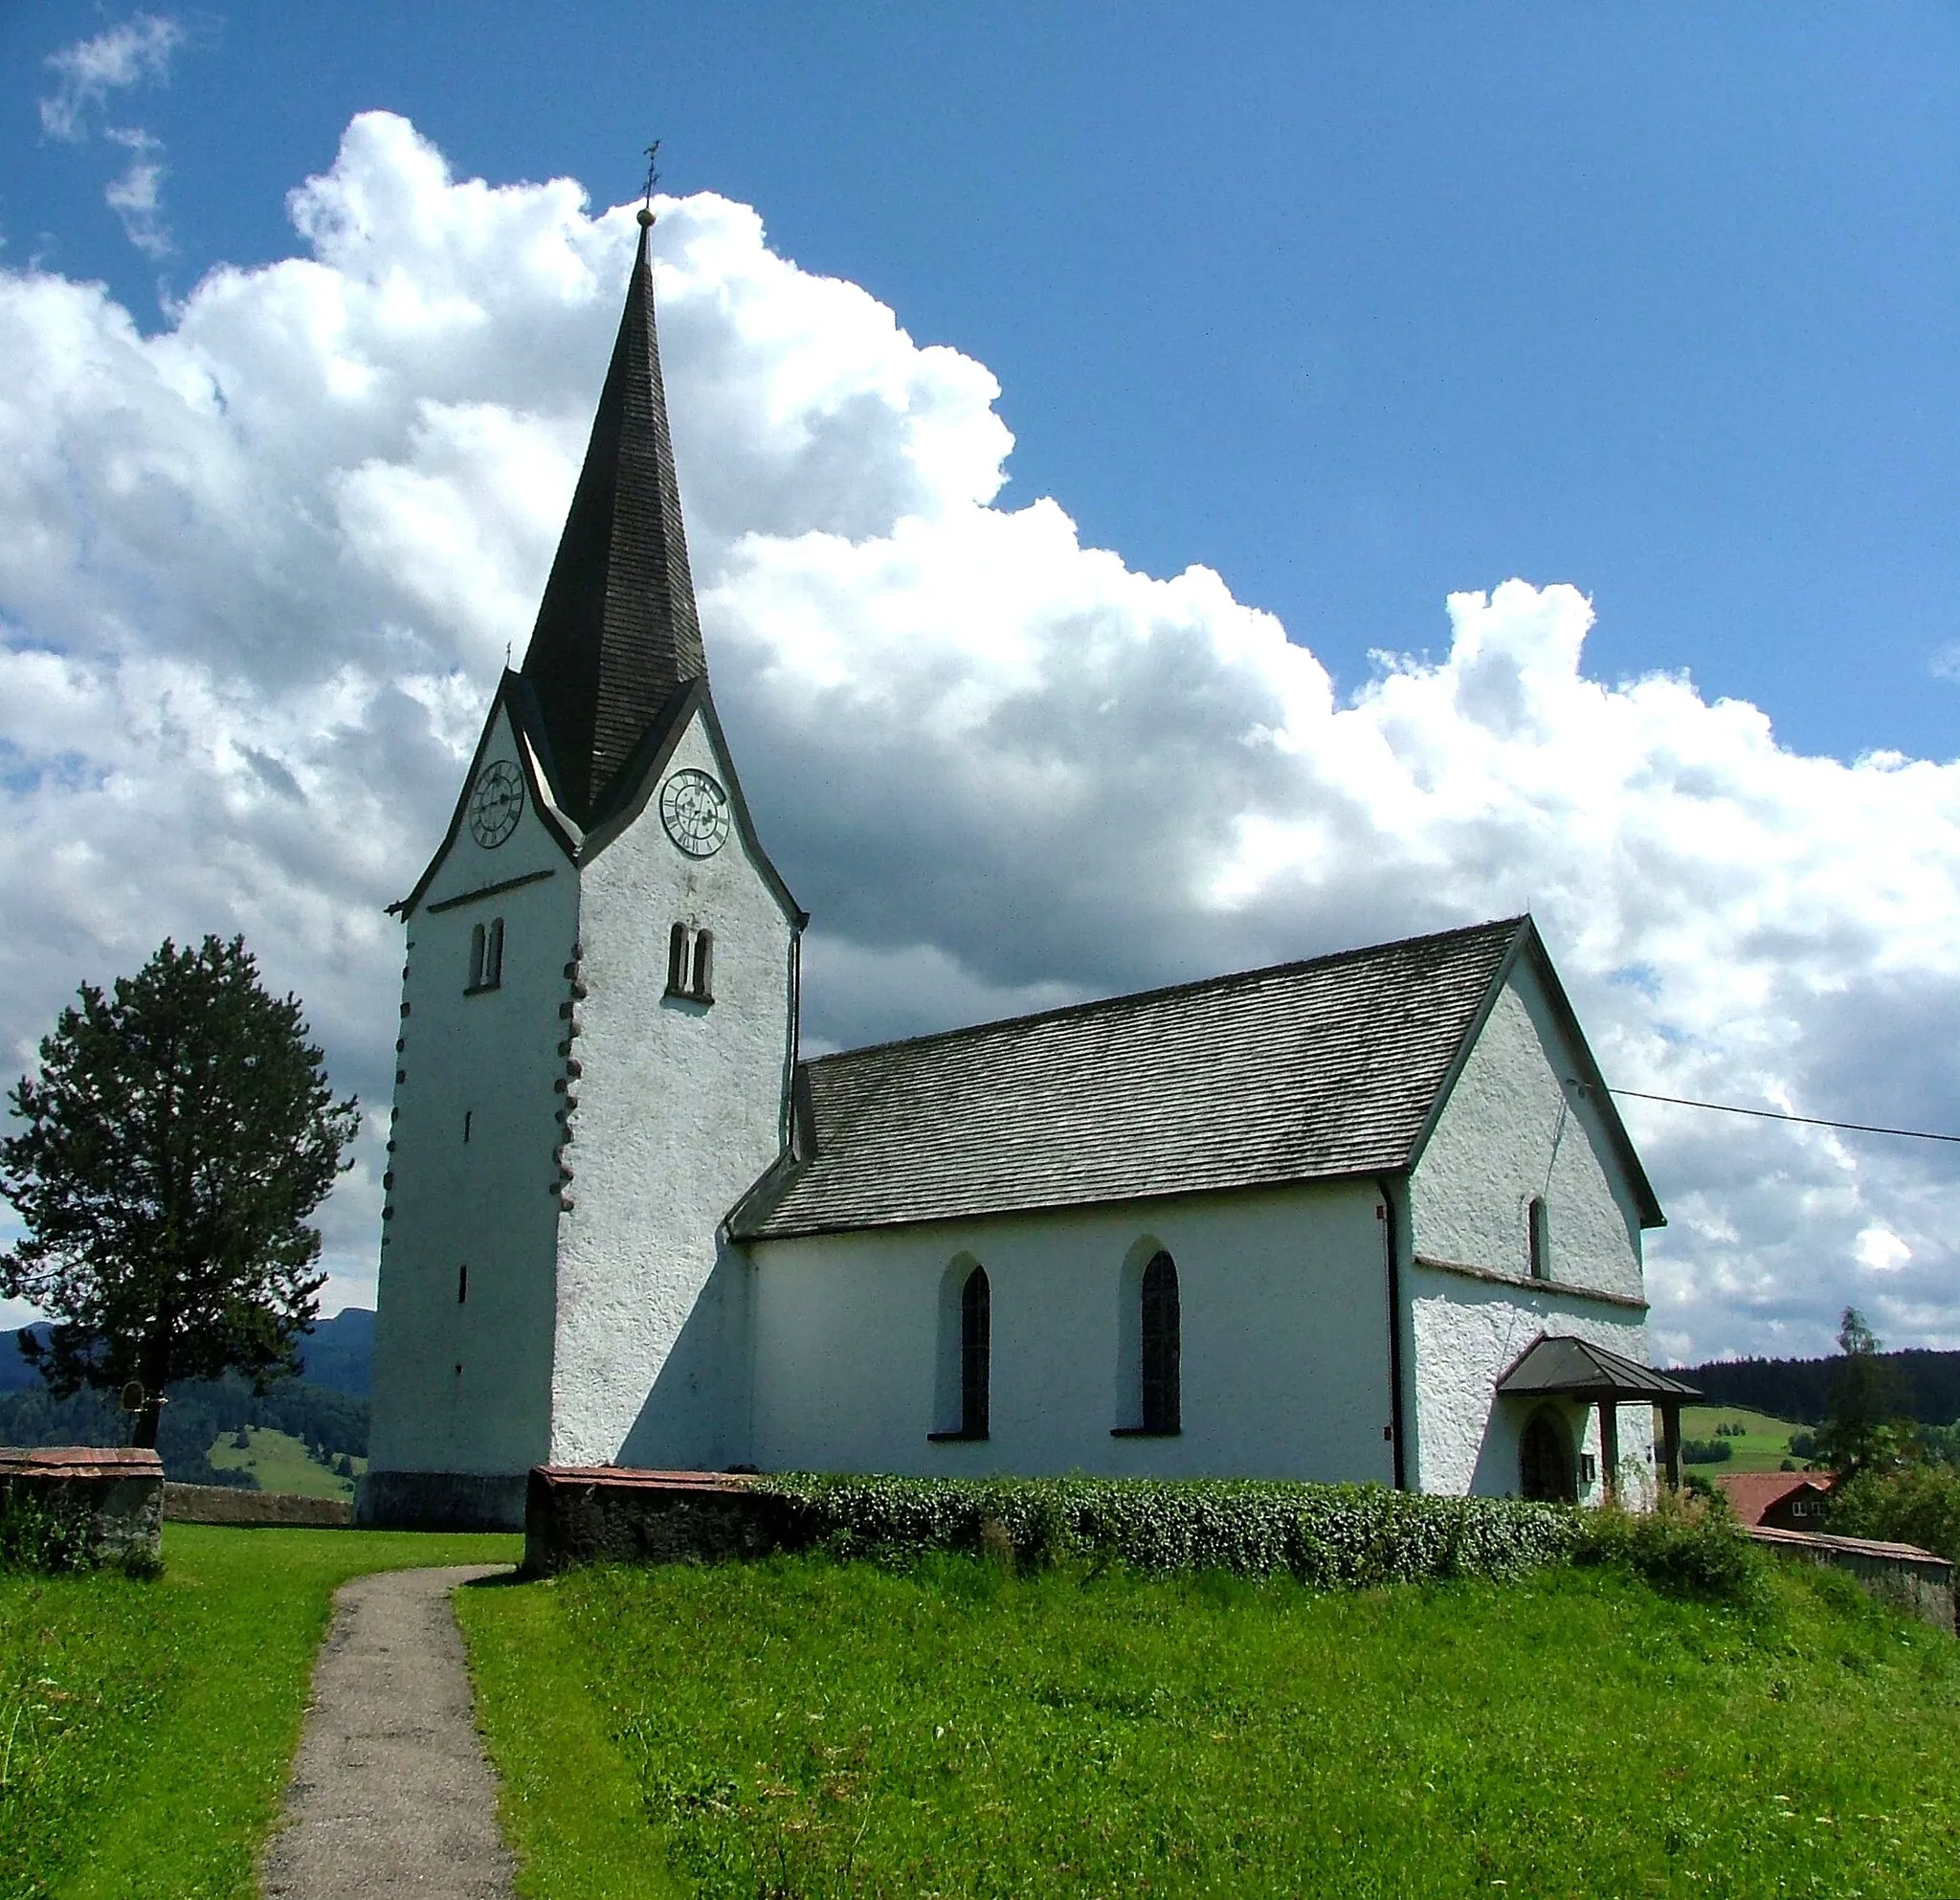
pixel 695 810
pixel 497 803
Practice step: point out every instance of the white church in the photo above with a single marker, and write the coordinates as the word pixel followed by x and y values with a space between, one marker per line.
pixel 1368 1217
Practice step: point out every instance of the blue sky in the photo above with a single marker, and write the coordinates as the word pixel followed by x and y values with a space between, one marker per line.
pixel 1071 404
pixel 1356 305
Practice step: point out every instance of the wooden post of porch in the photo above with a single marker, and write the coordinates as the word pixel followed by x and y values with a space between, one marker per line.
pixel 1609 1446
pixel 1670 1442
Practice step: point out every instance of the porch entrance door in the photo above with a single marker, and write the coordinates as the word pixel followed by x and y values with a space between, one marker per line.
pixel 1545 1460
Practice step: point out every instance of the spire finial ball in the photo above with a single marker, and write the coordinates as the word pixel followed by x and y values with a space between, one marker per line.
pixel 646 216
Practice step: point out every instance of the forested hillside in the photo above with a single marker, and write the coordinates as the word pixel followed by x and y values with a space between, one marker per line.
pixel 1796 1389
pixel 197 1414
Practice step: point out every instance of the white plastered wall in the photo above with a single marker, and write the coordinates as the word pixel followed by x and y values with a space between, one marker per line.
pixel 1284 1341
pixel 681 1106
pixel 1516 1125
pixel 1467 1336
pixel 483 1201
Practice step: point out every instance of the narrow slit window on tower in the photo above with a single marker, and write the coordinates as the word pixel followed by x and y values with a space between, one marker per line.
pixel 676 960
pixel 486 956
pixel 703 987
pixel 462 1285
pixel 1538 1239
pixel 469 1116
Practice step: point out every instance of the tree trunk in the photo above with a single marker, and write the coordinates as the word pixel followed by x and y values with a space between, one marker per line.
pixel 155 1361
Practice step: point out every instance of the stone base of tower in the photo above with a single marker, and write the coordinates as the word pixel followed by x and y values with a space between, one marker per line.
pixel 440 1500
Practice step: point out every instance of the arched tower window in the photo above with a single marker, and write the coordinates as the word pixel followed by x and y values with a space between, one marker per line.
pixel 1161 1345
pixel 1545 1460
pixel 976 1352
pixel 691 964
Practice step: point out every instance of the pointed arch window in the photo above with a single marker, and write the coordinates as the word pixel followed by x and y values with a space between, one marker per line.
pixel 1162 1345
pixel 976 1352
pixel 976 1356
pixel 1153 1348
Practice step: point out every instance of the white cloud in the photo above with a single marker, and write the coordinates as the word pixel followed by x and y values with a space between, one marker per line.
pixel 1880 1250
pixel 136 193
pixel 258 574
pixel 137 52
pixel 128 55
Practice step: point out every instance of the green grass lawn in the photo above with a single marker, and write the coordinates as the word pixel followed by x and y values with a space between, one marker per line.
pixel 798 1727
pixel 146 1729
pixel 281 1463
pixel 1762 1447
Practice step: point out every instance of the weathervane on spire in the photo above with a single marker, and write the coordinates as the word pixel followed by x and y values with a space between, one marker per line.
pixel 646 209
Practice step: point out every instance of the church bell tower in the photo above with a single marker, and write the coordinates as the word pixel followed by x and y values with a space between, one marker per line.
pixel 598 1032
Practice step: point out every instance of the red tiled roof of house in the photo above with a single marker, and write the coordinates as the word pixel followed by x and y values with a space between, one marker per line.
pixel 1753 1494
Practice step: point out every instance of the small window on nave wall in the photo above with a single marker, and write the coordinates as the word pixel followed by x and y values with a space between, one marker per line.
pixel 976 1353
pixel 1150 1374
pixel 966 1350
pixel 1163 1346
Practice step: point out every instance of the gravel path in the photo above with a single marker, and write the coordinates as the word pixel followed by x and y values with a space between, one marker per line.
pixel 391 1794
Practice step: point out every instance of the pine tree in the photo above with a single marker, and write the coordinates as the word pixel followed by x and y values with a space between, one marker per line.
pixel 176 1137
pixel 1863 1427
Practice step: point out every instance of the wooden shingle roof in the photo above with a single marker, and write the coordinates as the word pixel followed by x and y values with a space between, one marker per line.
pixel 1320 1070
pixel 617 635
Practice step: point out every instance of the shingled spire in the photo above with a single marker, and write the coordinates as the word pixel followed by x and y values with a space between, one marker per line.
pixel 618 634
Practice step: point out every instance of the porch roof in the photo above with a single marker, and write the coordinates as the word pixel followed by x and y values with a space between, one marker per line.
pixel 1563 1366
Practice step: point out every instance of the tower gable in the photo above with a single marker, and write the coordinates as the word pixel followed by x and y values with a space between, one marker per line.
pixel 689 721
pixel 540 841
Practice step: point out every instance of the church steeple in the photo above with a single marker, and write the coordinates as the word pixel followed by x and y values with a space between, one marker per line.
pixel 617 635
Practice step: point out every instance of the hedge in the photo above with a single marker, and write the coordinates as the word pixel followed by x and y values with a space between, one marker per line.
pixel 1327 1536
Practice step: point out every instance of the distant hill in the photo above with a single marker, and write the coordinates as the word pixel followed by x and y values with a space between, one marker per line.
pixel 339 1355
pixel 1796 1389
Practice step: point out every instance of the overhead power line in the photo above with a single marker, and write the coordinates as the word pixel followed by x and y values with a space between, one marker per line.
pixel 1778 1115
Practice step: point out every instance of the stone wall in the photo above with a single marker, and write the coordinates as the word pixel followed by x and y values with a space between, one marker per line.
pixel 229 1504
pixel 576 1514
pixel 121 1489
pixel 1901 1575
pixel 440 1501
